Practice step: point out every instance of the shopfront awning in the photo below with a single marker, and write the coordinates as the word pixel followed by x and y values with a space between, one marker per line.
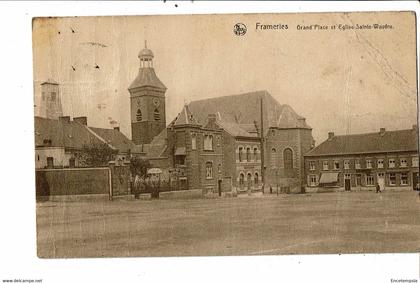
pixel 328 178
pixel 180 151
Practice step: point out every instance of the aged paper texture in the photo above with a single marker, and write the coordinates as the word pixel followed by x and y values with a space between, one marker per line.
pixel 247 134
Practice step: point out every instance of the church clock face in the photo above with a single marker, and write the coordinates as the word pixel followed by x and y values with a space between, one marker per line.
pixel 156 102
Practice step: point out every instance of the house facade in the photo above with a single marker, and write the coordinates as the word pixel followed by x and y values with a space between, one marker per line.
pixel 359 162
pixel 61 142
pixel 247 129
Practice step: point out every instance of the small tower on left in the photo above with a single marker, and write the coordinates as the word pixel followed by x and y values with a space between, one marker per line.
pixel 50 104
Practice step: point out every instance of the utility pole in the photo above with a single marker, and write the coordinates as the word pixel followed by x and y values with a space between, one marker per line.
pixel 262 144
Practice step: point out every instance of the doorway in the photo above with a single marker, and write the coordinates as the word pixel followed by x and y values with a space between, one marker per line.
pixel 347 184
pixel 415 180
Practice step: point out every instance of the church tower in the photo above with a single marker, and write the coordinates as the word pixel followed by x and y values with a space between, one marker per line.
pixel 147 95
pixel 50 104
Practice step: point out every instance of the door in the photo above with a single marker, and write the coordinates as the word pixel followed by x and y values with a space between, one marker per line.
pixel 50 162
pixel 249 182
pixel 347 184
pixel 219 187
pixel 415 180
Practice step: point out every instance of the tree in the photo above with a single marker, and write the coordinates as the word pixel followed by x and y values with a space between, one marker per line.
pixel 97 154
pixel 139 166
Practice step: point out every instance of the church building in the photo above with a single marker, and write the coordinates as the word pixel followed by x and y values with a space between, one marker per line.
pixel 238 141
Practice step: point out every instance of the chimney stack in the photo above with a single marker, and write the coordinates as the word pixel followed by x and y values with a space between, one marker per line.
pixel 382 131
pixel 117 128
pixel 212 118
pixel 81 120
pixel 330 135
pixel 64 119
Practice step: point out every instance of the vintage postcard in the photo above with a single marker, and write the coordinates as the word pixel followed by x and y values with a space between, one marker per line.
pixel 236 134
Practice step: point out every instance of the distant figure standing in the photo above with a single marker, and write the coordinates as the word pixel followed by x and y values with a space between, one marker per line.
pixel 378 188
pixel 137 182
pixel 381 183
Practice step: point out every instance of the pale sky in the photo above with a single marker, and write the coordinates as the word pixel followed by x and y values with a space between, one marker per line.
pixel 351 81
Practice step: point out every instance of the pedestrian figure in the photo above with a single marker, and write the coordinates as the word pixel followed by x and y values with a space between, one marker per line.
pixel 378 188
pixel 271 190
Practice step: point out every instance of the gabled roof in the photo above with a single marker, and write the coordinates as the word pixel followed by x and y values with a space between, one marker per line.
pixel 115 138
pixel 185 117
pixel 147 77
pixel 245 109
pixel 62 134
pixel 158 146
pixel 235 129
pixel 388 141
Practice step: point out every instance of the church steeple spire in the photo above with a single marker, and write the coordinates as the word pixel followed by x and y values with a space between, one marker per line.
pixel 146 57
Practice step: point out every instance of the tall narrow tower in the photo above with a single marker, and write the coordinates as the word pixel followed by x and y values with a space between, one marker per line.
pixel 147 95
pixel 50 104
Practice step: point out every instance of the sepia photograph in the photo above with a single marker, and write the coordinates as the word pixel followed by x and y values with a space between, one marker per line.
pixel 226 134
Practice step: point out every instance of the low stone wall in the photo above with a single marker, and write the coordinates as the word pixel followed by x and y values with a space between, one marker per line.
pixel 354 189
pixel 186 194
pixel 75 181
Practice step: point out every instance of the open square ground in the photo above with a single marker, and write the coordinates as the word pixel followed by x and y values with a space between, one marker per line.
pixel 347 222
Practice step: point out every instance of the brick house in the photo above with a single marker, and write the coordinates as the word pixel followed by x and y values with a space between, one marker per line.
pixel 358 162
pixel 59 142
pixel 234 123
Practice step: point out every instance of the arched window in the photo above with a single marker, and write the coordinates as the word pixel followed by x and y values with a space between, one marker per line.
pixel 256 178
pixel 255 154
pixel 248 154
pixel 273 158
pixel 249 180
pixel 288 158
pixel 139 117
pixel 241 154
pixel 208 142
pixel 194 141
pixel 241 180
pixel 156 114
pixel 209 170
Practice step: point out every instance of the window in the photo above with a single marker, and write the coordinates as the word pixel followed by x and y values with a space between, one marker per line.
pixel 138 115
pixel 208 142
pixel 415 161
pixel 256 178
pixel 380 163
pixel 404 179
pixel 241 180
pixel 325 165
pixel 391 163
pixel 53 96
pixel 209 170
pixel 336 165
pixel 194 141
pixel 156 115
pixel 219 168
pixel 241 152
pixel 357 164
pixel 288 158
pixel 392 179
pixel 255 154
pixel 346 164
pixel 312 165
pixel 368 163
pixel 370 180
pixel 248 154
pixel 37 157
pixel 403 162
pixel 312 182
pixel 273 158
pixel 381 175
pixel 358 180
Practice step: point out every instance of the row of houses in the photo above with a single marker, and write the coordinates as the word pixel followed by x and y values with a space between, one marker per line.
pixel 247 142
